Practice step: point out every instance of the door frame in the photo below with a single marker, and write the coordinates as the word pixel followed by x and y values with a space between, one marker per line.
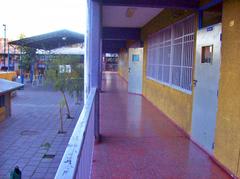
pixel 139 88
pixel 198 57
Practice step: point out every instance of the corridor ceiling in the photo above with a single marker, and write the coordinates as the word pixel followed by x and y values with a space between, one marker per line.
pixel 125 16
pixel 123 19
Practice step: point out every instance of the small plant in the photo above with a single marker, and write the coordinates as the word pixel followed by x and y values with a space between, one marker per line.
pixel 65 73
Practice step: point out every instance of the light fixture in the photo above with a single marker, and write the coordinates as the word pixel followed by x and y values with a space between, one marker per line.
pixel 130 12
pixel 64 38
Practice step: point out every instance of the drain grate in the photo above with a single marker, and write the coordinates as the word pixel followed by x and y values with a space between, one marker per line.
pixel 62 132
pixel 48 156
pixel 29 133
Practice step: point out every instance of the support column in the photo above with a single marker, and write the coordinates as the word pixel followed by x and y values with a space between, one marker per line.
pixel 93 57
pixel 8 59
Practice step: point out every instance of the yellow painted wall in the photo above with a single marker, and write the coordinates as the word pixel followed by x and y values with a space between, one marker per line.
pixel 178 105
pixel 123 64
pixel 2 113
pixel 8 75
pixel 227 139
pixel 175 104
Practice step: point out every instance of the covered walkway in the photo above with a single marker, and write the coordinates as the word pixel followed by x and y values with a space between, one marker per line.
pixel 139 141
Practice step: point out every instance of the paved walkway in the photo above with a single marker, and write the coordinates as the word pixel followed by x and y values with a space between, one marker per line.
pixel 139 142
pixel 32 131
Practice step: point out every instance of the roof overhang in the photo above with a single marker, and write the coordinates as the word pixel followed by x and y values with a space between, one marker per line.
pixel 51 40
pixel 7 86
pixel 113 46
pixel 181 4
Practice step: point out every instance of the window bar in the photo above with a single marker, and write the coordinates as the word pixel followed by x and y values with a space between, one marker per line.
pixel 182 58
pixel 171 55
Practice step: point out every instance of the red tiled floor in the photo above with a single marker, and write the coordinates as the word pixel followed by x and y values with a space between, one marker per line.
pixel 140 142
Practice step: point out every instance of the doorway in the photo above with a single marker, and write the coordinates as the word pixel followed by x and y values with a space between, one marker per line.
pixel 135 70
pixel 205 99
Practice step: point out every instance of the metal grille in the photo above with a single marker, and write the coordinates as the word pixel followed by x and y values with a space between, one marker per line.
pixel 170 55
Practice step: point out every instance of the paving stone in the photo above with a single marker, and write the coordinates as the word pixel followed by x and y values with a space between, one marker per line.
pixel 34 121
pixel 39 175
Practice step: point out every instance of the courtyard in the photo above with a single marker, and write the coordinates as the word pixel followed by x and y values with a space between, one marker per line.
pixel 29 139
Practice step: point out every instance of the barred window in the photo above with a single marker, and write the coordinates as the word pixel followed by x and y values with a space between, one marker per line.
pixel 170 55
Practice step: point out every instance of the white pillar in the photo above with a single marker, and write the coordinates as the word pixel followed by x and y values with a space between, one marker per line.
pixel 92 60
pixel 93 56
pixel 94 43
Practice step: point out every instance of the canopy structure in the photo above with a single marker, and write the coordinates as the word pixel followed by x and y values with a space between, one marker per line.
pixel 51 40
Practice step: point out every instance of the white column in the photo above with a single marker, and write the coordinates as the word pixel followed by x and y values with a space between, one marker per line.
pixel 94 44
pixel 93 56
pixel 92 61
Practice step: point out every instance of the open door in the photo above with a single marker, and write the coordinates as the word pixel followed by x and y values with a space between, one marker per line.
pixel 135 70
pixel 207 72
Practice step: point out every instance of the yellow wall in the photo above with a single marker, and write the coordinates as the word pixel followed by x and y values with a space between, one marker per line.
pixel 8 75
pixel 123 65
pixel 164 19
pixel 2 113
pixel 227 139
pixel 178 105
pixel 175 104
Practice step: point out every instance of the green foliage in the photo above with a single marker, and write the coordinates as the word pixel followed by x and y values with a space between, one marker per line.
pixel 66 82
pixel 28 56
pixel 22 36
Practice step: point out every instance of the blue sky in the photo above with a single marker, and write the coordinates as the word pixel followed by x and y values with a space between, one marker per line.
pixel 34 17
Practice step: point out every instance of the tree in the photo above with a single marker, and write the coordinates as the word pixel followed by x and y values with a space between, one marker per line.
pixel 65 73
pixel 28 57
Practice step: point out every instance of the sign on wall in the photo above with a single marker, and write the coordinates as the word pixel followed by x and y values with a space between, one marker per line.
pixel 65 69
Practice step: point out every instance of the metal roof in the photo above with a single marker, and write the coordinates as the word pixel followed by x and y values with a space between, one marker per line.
pixel 51 40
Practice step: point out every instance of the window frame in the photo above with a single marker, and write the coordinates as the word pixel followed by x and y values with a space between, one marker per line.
pixel 190 36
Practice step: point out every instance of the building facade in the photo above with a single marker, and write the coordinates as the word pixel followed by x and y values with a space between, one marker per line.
pixel 190 72
pixel 183 57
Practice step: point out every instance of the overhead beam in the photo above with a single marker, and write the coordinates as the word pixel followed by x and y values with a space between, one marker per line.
pixel 210 4
pixel 182 4
pixel 113 46
pixel 115 33
pixel 205 7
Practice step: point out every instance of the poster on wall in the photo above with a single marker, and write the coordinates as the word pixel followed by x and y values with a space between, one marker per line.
pixel 135 58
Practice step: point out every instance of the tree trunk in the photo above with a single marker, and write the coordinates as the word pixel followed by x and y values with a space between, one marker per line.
pixel 61 120
pixel 68 110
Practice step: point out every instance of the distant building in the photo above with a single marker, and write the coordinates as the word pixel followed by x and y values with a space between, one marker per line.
pixel 14 53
